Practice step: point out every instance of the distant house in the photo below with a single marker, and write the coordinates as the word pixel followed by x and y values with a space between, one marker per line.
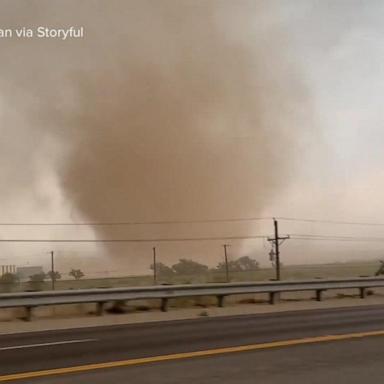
pixel 24 273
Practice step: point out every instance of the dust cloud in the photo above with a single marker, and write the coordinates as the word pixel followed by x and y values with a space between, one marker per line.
pixel 183 112
pixel 165 110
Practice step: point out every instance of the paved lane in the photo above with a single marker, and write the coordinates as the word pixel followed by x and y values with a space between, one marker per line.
pixel 49 350
pixel 342 362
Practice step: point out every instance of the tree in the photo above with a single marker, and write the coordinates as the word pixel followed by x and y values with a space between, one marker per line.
pixel 9 278
pixel 38 277
pixel 54 275
pixel 7 281
pixel 189 267
pixel 36 281
pixel 244 263
pixel 380 271
pixel 163 270
pixel 77 274
pixel 232 266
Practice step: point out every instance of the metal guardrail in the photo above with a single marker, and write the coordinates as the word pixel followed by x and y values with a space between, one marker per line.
pixel 101 296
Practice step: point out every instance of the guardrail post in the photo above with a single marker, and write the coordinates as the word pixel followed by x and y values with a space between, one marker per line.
pixel 220 301
pixel 319 294
pixel 273 297
pixel 363 293
pixel 28 313
pixel 164 304
pixel 100 308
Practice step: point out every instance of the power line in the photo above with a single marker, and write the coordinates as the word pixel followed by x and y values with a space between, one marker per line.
pixel 250 237
pixel 337 236
pixel 337 240
pixel 123 223
pixel 203 221
pixel 331 221
pixel 309 237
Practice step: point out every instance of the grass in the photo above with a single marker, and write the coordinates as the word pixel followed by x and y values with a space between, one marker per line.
pixel 290 272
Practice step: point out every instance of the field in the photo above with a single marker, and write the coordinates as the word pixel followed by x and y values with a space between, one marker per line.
pixel 291 272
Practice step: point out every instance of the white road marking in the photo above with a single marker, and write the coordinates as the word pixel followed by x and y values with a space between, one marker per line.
pixel 47 344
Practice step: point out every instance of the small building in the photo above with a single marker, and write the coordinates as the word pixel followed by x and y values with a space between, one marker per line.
pixel 24 273
pixel 8 269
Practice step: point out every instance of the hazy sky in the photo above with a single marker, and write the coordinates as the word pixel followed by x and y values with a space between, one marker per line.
pixel 179 110
pixel 340 44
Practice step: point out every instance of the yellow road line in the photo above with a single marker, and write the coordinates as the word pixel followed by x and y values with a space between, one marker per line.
pixel 187 355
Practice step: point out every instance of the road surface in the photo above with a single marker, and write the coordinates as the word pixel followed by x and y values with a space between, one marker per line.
pixel 290 347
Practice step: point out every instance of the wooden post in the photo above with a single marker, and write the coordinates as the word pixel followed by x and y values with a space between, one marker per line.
pixel 220 301
pixel 164 304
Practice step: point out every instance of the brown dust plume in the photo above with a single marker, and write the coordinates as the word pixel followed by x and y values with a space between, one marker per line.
pixel 165 110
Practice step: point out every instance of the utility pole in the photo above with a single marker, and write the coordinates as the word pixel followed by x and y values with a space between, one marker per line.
pixel 276 244
pixel 154 266
pixel 277 249
pixel 226 262
pixel 53 277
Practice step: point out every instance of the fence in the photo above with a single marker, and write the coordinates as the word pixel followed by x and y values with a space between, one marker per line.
pixel 30 300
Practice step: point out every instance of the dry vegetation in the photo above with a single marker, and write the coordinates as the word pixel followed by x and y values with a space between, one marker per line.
pixel 294 272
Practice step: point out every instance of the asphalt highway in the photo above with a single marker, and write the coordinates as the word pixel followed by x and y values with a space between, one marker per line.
pixel 290 347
